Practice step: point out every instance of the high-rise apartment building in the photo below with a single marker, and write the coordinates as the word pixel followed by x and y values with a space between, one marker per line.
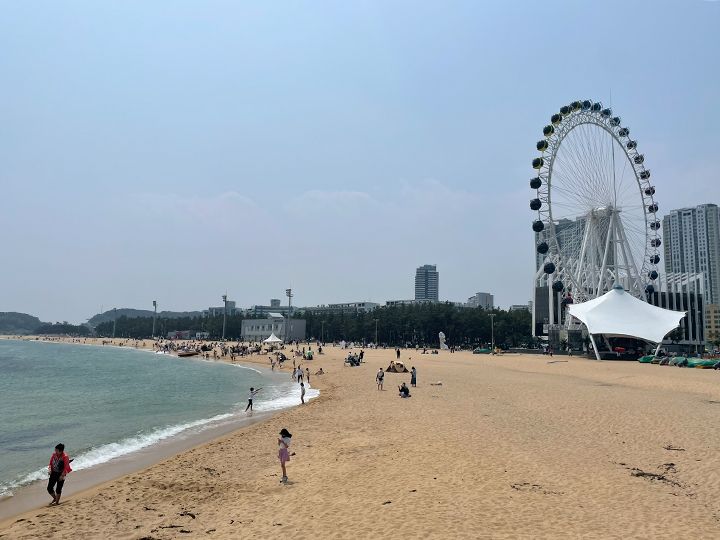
pixel 427 282
pixel 691 239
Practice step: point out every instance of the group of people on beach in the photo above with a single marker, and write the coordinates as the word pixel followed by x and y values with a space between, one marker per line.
pixel 403 390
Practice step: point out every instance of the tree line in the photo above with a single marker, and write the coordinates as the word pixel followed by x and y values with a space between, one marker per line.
pixel 395 325
pixel 63 328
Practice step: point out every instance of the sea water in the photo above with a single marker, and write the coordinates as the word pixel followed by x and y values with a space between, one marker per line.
pixel 106 402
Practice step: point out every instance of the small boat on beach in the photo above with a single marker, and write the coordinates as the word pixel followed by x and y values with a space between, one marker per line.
pixel 183 354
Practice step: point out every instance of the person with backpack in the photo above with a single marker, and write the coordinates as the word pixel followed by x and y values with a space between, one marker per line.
pixel 58 467
pixel 380 378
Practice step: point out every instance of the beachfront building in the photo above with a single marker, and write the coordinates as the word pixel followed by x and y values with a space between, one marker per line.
pixel 482 300
pixel 691 240
pixel 427 283
pixel 712 324
pixel 274 323
pixel 263 311
pixel 218 311
pixel 684 292
pixel 519 307
pixel 343 308
pixel 391 303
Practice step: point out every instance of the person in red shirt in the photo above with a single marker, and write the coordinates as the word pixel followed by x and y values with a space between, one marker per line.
pixel 59 467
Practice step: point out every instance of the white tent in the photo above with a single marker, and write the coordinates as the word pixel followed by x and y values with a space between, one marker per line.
pixel 619 313
pixel 273 339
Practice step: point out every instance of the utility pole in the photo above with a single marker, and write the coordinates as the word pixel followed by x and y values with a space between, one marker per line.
pixel 114 321
pixel 322 332
pixel 154 317
pixel 289 294
pixel 224 299
pixel 492 331
pixel 376 341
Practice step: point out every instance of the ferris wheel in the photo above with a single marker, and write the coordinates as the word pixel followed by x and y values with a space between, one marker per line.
pixel 596 220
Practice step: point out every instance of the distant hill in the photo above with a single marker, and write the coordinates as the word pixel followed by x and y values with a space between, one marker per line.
pixel 18 323
pixel 132 313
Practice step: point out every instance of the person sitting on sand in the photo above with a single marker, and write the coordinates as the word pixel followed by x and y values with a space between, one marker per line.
pixel 404 391
pixel 283 453
pixel 320 372
pixel 58 467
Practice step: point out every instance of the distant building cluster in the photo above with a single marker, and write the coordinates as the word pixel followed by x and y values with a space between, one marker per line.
pixel 263 320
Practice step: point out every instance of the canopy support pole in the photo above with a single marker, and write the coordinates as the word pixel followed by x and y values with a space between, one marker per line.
pixel 657 349
pixel 595 349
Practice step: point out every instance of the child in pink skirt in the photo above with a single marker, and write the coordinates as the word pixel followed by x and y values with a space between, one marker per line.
pixel 283 454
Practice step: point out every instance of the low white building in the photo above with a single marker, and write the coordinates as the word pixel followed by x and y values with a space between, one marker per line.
pixel 275 323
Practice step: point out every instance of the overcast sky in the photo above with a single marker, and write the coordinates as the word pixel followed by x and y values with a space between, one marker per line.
pixel 175 150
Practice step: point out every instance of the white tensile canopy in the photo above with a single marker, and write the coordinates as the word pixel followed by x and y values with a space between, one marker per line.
pixel 619 313
pixel 272 339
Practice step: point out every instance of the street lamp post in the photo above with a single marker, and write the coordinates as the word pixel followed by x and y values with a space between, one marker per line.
pixel 289 294
pixel 376 341
pixel 322 332
pixel 114 321
pixel 492 331
pixel 154 317
pixel 224 299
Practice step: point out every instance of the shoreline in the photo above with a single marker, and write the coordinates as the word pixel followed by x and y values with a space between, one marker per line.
pixel 33 496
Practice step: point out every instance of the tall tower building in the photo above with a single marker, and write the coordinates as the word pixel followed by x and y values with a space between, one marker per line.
pixel 427 282
pixel 691 238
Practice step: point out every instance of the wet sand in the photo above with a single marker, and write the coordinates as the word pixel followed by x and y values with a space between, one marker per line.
pixel 507 447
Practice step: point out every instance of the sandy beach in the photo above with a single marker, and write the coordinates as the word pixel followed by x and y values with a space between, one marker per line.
pixel 508 446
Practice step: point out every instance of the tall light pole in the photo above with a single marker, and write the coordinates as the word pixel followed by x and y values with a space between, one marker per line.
pixel 322 332
pixel 492 331
pixel 289 294
pixel 376 341
pixel 114 321
pixel 224 299
pixel 154 317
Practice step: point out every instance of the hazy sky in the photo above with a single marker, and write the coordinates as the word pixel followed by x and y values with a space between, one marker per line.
pixel 174 150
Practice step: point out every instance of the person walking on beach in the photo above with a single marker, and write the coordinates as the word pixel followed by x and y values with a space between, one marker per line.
pixel 299 374
pixel 413 376
pixel 58 467
pixel 302 392
pixel 251 395
pixel 380 378
pixel 307 374
pixel 283 454
pixel 397 353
